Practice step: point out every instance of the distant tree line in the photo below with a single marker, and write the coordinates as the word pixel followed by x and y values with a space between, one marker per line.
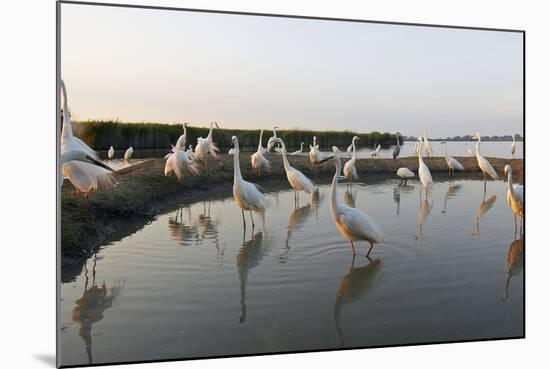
pixel 100 135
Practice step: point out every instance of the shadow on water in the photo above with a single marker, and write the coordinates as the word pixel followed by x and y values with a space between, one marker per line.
pixel 514 263
pixel 250 255
pixel 354 285
pixel 90 307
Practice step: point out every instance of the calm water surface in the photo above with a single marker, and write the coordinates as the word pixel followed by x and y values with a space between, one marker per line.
pixel 190 284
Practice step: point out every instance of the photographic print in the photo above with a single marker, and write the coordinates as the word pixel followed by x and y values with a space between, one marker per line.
pixel 237 184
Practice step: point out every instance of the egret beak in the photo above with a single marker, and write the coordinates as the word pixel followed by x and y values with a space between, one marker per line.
pixel 325 159
pixel 98 163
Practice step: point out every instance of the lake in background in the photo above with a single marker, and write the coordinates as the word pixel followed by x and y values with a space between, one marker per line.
pixel 190 284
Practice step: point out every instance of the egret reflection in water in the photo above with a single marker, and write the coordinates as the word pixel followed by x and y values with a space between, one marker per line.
pixel 298 217
pixel 250 255
pixel 354 285
pixel 424 209
pixel 483 208
pixel 514 264
pixel 90 307
pixel 183 232
pixel 452 191
pixel 349 198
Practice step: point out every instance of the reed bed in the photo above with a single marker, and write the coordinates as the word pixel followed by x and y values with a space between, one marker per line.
pixel 100 135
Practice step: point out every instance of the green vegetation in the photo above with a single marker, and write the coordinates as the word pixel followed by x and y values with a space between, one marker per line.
pixel 100 135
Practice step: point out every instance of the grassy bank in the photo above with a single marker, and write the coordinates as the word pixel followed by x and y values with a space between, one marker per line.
pixel 100 135
pixel 143 192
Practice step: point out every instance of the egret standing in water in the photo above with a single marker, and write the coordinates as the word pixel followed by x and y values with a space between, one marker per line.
pixel 350 172
pixel 298 181
pixel 513 146
pixel 206 145
pixel 397 148
pixel 298 152
pixel 111 153
pixel 353 224
pixel 514 196
pixel 484 164
pixel 258 160
pixel 128 154
pixel 452 163
pixel 404 174
pixel 315 155
pixel 246 194
pixel 423 171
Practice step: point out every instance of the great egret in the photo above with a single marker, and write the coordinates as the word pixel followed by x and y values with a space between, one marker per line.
pixel 190 153
pixel 247 196
pixel 335 149
pixel 272 140
pixel 404 174
pixel 423 170
pixel 111 153
pixel 513 146
pixel 417 147
pixel 353 224
pixel 298 152
pixel 397 148
pixel 350 148
pixel 376 151
pixel 427 147
pixel 206 145
pixel 78 162
pixel 128 154
pixel 258 160
pixel 514 196
pixel 177 161
pixel 297 180
pixel 483 163
pixel 315 156
pixel 350 172
pixel 452 163
pixel 180 144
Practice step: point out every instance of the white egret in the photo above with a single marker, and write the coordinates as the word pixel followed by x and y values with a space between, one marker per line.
pixel 180 144
pixel 417 146
pixel 111 153
pixel 452 163
pixel 353 224
pixel 335 149
pixel 350 172
pixel 272 140
pixel 423 171
pixel 515 194
pixel 350 148
pixel 483 163
pixel 315 156
pixel 513 146
pixel 190 153
pixel 297 180
pixel 427 147
pixel 128 154
pixel 206 145
pixel 404 174
pixel 258 160
pixel 376 151
pixel 397 148
pixel 298 152
pixel 177 161
pixel 246 194
pixel 78 162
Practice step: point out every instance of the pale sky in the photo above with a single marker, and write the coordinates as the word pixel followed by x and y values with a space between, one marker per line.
pixel 256 72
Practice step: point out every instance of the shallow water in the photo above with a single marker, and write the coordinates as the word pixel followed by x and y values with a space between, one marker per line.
pixel 190 285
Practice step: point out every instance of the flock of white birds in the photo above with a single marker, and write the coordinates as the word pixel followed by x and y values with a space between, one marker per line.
pixel 83 168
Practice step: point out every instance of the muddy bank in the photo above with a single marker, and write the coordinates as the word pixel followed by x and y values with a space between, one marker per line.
pixel 142 192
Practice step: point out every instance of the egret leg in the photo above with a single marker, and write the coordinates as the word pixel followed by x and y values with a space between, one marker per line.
pixel 252 220
pixel 244 221
pixel 353 248
pixel 371 246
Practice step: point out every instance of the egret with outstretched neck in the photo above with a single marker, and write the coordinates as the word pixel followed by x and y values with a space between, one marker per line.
pixel 513 146
pixel 297 180
pixel 484 164
pixel 423 171
pixel 246 194
pixel 514 196
pixel 298 152
pixel 206 145
pixel 397 148
pixel 258 160
pixel 272 140
pixel 182 140
pixel 353 224
pixel 350 172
